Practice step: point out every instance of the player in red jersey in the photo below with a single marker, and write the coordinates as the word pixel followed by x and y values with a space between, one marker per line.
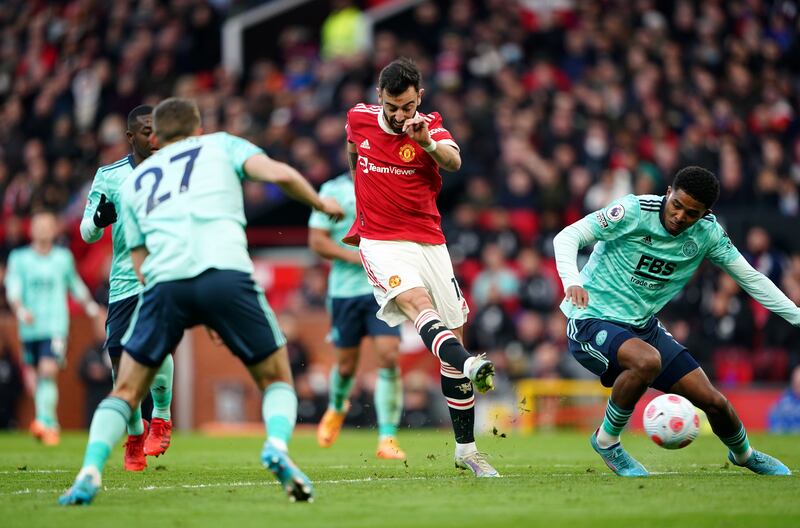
pixel 395 153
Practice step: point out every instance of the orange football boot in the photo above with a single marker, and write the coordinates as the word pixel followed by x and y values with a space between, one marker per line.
pixel 51 437
pixel 330 426
pixel 37 429
pixel 388 449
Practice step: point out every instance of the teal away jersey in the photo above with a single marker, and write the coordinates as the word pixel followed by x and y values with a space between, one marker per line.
pixel 346 279
pixel 108 180
pixel 41 283
pixel 637 266
pixel 185 204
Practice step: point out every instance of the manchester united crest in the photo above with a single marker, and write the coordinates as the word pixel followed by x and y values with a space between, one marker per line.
pixel 394 281
pixel 407 152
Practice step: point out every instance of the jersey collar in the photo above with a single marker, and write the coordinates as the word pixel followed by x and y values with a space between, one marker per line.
pixel 385 126
pixel 131 160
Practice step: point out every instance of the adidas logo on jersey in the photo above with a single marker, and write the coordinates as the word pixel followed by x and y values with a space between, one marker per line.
pixel 647 240
pixel 365 144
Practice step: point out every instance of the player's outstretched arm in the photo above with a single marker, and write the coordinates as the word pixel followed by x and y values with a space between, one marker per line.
pixel 322 244
pixel 762 289
pixel 260 167
pixel 566 245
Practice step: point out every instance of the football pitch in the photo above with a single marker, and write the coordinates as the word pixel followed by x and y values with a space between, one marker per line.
pixel 552 479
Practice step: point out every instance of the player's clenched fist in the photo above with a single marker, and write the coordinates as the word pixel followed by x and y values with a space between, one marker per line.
pixel 106 213
pixel 578 296
pixel 331 207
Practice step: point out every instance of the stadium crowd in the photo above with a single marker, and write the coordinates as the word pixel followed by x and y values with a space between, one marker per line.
pixel 555 112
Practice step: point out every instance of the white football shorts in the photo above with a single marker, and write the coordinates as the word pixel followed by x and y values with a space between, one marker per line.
pixel 396 266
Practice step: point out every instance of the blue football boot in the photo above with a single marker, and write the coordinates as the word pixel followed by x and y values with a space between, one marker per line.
pixel 618 460
pixel 762 463
pixel 296 484
pixel 86 486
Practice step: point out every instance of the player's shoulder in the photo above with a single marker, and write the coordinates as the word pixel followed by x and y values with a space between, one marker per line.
pixel 364 108
pixel 432 117
pixel 63 253
pixel 710 226
pixel 363 113
pixel 649 203
pixel 215 137
pixel 124 164
pixel 625 205
pixel 20 252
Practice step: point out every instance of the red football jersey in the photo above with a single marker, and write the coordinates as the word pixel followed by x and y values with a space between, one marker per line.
pixel 396 181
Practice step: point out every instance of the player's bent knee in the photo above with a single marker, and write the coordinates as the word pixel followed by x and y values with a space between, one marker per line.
pixel 648 363
pixel 47 369
pixel 414 300
pixel 129 394
pixel 347 368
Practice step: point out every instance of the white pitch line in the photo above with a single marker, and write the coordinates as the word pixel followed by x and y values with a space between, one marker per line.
pixel 246 484
pixel 23 471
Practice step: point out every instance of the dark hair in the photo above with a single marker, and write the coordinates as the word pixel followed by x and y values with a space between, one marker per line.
pixel 398 76
pixel 699 183
pixel 175 117
pixel 141 110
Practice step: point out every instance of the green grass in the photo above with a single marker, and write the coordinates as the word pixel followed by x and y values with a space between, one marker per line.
pixel 549 480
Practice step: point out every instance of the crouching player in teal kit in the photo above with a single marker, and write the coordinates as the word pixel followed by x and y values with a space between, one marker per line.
pixel 153 438
pixel 648 247
pixel 352 306
pixel 183 214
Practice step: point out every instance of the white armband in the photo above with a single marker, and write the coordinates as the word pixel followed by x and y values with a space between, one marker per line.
pixel 430 148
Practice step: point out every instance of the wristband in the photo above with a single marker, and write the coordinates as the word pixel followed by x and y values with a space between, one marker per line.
pixel 430 148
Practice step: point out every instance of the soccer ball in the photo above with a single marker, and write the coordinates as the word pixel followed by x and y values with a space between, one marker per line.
pixel 671 421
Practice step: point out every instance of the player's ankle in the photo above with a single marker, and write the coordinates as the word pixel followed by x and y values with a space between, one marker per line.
pixel 605 440
pixel 463 450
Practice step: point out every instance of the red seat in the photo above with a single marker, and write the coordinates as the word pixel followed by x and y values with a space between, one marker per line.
pixel 526 223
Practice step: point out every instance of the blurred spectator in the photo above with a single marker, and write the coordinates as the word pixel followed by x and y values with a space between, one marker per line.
pixel 784 416
pixel 538 289
pixel 491 328
pixel 497 280
pixel 761 256
pixel 464 236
